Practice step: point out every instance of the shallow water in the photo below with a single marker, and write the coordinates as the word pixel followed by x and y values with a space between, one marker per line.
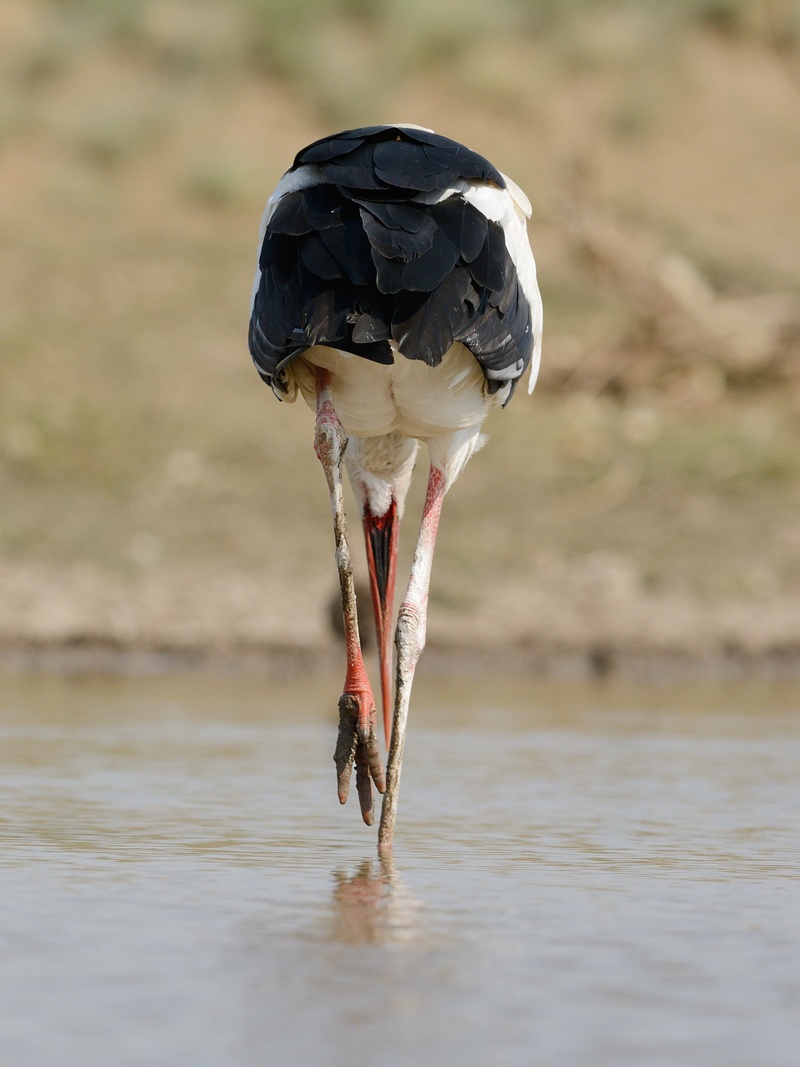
pixel 581 876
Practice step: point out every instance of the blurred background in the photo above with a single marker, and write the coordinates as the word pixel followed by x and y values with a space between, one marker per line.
pixel 643 503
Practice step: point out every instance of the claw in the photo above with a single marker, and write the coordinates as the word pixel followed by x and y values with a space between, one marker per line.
pixel 355 749
pixel 346 744
pixel 364 787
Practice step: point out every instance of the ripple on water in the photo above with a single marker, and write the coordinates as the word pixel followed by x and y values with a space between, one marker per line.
pixel 581 876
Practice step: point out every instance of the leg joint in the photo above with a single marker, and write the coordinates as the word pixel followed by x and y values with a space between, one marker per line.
pixel 330 440
pixel 410 635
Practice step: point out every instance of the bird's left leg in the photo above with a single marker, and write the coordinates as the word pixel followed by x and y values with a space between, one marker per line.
pixel 410 641
pixel 357 743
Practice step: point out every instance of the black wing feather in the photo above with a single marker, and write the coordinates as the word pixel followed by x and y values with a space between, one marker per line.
pixel 350 247
pixel 463 224
pixel 317 260
pixel 292 216
pixel 397 242
pixel 425 325
pixel 357 261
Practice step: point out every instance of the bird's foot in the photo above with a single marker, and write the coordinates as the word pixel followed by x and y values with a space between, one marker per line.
pixel 357 745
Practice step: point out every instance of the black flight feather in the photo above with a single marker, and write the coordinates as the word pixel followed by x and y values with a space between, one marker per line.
pixel 359 259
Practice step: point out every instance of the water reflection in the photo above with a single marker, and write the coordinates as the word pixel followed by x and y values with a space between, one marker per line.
pixel 372 906
pixel 600 878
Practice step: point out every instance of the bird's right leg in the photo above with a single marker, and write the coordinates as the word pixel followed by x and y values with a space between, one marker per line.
pixel 357 743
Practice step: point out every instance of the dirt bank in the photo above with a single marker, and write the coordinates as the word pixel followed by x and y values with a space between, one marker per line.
pixel 590 618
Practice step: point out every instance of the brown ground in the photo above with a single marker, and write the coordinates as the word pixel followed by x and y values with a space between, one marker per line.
pixel 640 509
pixel 593 618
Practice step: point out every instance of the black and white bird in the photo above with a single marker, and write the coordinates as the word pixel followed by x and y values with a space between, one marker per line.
pixel 396 291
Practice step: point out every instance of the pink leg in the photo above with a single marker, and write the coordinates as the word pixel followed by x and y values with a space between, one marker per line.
pixel 357 742
pixel 410 641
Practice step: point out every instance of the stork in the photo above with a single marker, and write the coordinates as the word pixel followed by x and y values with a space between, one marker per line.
pixel 396 292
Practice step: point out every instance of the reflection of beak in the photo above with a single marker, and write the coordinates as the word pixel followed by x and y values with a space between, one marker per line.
pixel 381 533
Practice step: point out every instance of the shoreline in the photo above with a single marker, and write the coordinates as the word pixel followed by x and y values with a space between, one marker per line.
pixel 82 619
pixel 87 657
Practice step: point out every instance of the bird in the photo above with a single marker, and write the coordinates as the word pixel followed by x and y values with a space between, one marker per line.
pixel 395 291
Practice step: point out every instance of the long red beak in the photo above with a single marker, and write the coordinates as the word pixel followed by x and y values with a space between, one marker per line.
pixel 381 533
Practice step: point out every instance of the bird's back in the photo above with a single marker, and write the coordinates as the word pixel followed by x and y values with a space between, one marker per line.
pixel 392 243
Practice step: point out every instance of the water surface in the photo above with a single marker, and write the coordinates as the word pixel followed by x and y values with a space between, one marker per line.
pixel 581 876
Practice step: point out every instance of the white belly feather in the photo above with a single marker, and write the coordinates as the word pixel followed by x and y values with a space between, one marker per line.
pixel 407 397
